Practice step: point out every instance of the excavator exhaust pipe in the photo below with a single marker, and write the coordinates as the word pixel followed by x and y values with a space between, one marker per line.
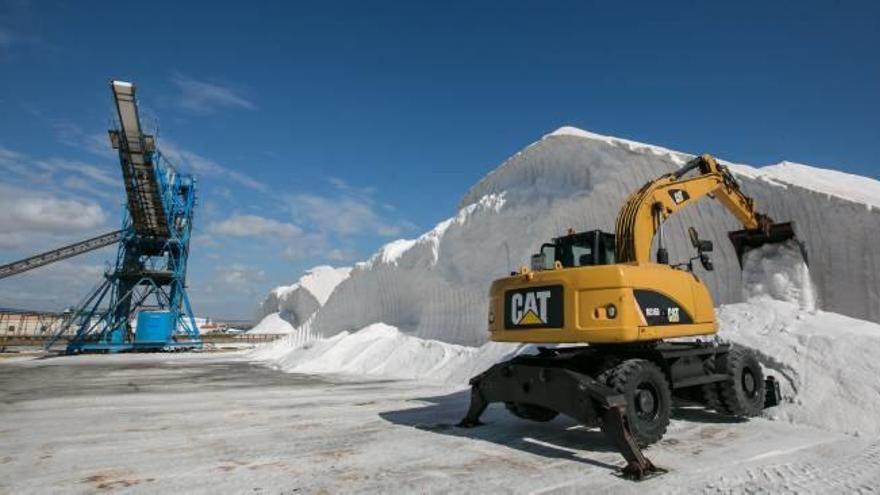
pixel 772 233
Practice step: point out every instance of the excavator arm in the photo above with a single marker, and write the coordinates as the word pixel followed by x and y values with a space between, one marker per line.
pixel 643 214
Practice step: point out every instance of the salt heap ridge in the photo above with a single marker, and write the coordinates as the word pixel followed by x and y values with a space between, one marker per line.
pixel 434 287
pixel 416 309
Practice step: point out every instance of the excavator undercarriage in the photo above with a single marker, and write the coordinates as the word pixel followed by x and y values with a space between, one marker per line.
pixel 626 390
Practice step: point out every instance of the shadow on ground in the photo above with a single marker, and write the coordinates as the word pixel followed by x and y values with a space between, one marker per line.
pixel 562 438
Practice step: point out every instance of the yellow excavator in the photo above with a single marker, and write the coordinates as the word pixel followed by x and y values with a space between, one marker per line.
pixel 604 291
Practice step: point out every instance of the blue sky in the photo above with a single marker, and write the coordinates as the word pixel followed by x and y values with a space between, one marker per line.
pixel 320 130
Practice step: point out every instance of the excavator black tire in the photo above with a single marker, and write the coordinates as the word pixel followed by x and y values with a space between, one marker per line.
pixel 530 412
pixel 743 394
pixel 648 397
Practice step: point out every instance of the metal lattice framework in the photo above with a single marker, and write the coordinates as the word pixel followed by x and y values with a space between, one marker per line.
pixel 59 254
pixel 151 260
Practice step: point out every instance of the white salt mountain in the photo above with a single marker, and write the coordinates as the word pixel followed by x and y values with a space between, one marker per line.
pixel 288 307
pixel 435 286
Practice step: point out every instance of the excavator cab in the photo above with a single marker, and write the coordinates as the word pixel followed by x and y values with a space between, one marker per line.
pixel 576 249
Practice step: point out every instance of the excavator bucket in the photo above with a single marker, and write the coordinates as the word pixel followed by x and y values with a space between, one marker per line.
pixel 748 239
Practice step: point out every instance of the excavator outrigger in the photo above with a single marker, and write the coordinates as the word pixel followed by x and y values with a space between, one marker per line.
pixel 604 291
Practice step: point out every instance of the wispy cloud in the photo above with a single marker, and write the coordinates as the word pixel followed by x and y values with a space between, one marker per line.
pixel 350 210
pixel 341 215
pixel 207 97
pixel 29 214
pixel 241 275
pixel 59 175
pixel 53 287
pixel 254 226
pixel 198 164
pixel 97 143
pixel 294 242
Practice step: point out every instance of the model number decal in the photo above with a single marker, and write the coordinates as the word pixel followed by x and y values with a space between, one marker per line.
pixel 660 309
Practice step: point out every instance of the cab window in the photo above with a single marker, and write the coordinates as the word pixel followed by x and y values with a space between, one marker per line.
pixel 581 255
pixel 549 252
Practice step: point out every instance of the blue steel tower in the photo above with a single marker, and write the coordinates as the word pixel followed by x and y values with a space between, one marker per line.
pixel 148 282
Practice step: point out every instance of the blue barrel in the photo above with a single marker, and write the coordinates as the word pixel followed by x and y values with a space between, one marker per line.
pixel 154 327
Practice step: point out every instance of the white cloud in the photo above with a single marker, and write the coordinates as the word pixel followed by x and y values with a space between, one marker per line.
pixel 345 213
pixel 53 287
pixel 254 226
pixel 309 246
pixel 95 174
pixel 79 184
pixel 193 162
pixel 51 173
pixel 204 97
pixel 343 185
pixel 27 213
pixel 340 255
pixel 97 143
pixel 240 275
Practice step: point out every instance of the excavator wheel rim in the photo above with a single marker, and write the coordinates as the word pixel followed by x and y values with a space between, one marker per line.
pixel 646 401
pixel 748 382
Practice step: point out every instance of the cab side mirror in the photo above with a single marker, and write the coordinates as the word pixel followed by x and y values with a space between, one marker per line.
pixel 703 247
pixel 700 245
pixel 707 263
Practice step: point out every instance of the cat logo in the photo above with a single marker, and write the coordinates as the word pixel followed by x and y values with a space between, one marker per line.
pixel 539 307
pixel 529 308
pixel 679 196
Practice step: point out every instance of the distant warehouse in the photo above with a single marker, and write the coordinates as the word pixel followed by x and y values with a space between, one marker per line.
pixel 24 323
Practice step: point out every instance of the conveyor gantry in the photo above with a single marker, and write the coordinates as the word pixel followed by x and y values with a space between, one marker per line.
pixel 138 172
pixel 59 254
pixel 148 282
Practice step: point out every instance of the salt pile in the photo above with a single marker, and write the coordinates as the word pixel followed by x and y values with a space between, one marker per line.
pixel 417 308
pixel 272 324
pixel 434 287
pixel 827 363
pixel 288 307
pixel 778 271
pixel 380 350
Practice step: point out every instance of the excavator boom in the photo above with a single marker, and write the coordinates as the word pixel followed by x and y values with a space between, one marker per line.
pixel 644 212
